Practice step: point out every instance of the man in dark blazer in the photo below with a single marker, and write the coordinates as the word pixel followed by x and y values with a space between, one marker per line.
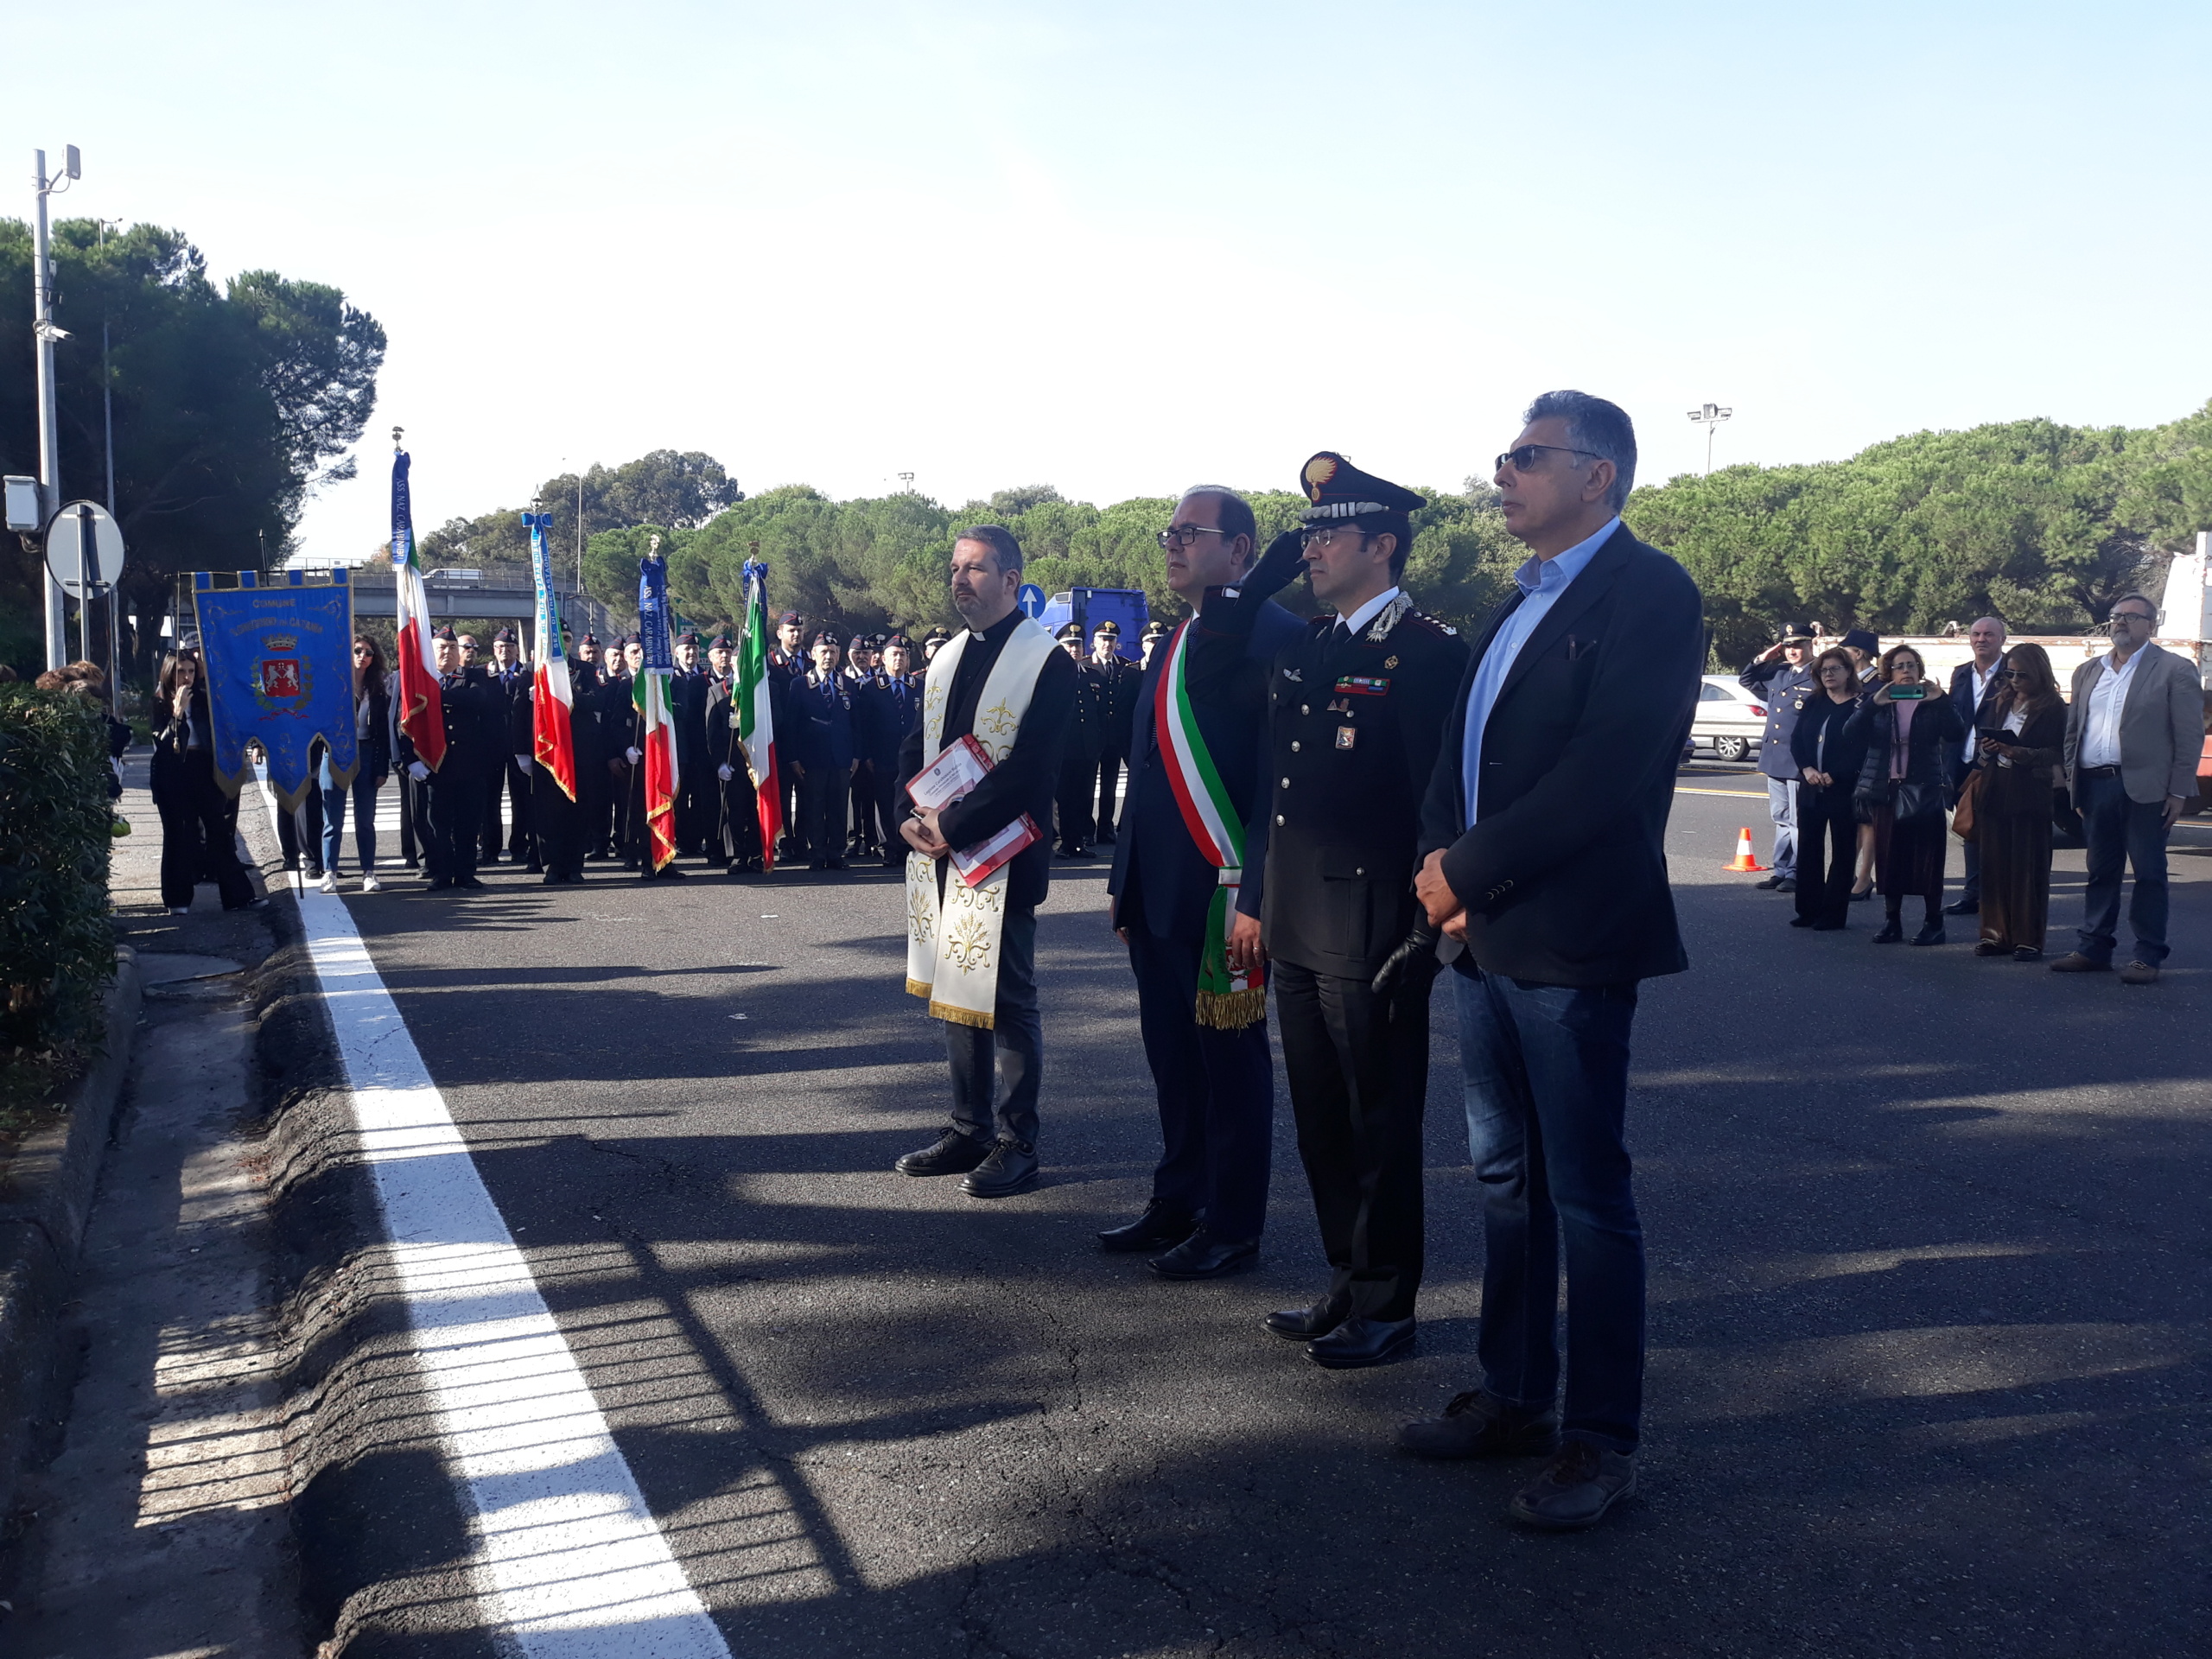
pixel 1974 685
pixel 475 720
pixel 1543 848
pixel 1121 677
pixel 1356 709
pixel 993 1135
pixel 698 788
pixel 1215 1083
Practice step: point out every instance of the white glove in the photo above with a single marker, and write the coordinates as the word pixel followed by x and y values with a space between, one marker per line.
pixel 417 771
pixel 633 754
pixel 725 772
pixel 522 763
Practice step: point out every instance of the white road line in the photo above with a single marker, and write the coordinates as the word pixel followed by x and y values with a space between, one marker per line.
pixel 567 1556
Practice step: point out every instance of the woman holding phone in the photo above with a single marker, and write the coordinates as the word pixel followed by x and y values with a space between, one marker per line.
pixel 1828 768
pixel 2020 754
pixel 1910 729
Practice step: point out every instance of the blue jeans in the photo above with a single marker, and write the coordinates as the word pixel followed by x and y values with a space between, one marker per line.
pixel 2122 832
pixel 1782 807
pixel 1546 1075
pixel 363 791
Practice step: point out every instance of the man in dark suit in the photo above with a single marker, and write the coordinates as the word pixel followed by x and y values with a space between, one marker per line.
pixel 993 1135
pixel 697 786
pixel 476 737
pixel 1079 763
pixel 1543 845
pixel 1973 685
pixel 1357 706
pixel 883 709
pixel 822 751
pixel 1214 1077
pixel 614 710
pixel 787 670
pixel 510 679
pixel 1120 677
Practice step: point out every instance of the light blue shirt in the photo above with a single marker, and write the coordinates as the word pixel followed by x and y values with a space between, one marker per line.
pixel 1541 582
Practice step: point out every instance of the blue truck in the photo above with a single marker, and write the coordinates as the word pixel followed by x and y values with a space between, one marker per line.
pixel 1124 606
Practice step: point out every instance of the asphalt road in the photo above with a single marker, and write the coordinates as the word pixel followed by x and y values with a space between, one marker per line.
pixel 1929 1316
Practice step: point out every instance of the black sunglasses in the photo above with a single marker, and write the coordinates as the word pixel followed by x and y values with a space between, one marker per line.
pixel 1524 457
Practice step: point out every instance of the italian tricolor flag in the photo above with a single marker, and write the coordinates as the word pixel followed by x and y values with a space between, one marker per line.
pixel 649 691
pixel 1227 1000
pixel 756 714
pixel 422 710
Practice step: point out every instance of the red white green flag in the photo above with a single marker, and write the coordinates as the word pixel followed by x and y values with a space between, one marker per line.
pixel 756 713
pixel 422 710
pixel 650 692
pixel 1228 1000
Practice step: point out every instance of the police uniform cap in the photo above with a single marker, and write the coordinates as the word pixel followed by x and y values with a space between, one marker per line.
pixel 1071 631
pixel 689 637
pixel 898 641
pixel 858 642
pixel 789 619
pixel 1112 630
pixel 1338 489
pixel 589 639
pixel 824 637
pixel 505 636
pixel 722 642
pixel 1796 633
pixel 1862 640
pixel 449 636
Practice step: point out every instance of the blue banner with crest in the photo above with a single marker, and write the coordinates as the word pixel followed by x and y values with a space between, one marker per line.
pixel 279 666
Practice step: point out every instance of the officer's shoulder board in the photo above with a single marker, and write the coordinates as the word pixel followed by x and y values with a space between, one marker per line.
pixel 1422 622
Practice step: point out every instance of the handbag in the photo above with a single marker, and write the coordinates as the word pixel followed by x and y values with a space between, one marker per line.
pixel 1966 817
pixel 1916 803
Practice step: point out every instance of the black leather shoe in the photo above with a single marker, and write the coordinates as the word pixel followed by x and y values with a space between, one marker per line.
pixel 953 1152
pixel 1160 1226
pixel 1304 1324
pixel 1362 1341
pixel 1011 1167
pixel 1787 884
pixel 1767 886
pixel 1963 908
pixel 470 883
pixel 1478 1424
pixel 1800 921
pixel 1890 933
pixel 1204 1256
pixel 1575 1489
pixel 1931 934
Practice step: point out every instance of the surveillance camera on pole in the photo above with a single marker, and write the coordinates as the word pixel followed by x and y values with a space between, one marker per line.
pixel 1710 417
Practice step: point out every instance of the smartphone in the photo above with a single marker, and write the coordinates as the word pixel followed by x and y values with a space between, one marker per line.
pixel 1908 693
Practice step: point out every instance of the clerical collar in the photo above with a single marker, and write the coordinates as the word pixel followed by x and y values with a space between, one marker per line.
pixel 999 629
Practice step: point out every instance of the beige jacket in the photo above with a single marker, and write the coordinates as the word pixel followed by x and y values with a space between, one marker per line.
pixel 2161 726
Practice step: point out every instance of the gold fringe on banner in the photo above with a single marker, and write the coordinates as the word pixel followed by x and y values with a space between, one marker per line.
pixel 973 1017
pixel 1232 1010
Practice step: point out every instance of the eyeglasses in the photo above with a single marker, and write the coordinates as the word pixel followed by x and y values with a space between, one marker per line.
pixel 2133 616
pixel 1184 534
pixel 1524 458
pixel 1321 538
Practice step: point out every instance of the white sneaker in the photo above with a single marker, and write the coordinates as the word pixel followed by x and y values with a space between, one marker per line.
pixel 370 884
pixel 328 884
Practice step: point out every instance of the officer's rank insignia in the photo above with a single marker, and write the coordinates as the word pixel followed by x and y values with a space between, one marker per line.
pixel 1346 736
pixel 1339 706
pixel 1360 686
pixel 1389 662
pixel 1294 674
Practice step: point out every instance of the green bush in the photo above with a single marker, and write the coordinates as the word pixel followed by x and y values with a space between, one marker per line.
pixel 57 950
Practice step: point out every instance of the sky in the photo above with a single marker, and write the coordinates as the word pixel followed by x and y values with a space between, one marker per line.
pixel 1124 248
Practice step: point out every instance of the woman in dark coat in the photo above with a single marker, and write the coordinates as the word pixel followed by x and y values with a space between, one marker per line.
pixel 1827 762
pixel 1908 742
pixel 373 745
pixel 2019 769
pixel 196 824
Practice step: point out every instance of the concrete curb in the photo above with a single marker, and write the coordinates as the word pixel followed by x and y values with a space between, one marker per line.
pixel 44 1203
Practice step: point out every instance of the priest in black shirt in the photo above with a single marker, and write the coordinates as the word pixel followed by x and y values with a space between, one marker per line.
pixel 992 1140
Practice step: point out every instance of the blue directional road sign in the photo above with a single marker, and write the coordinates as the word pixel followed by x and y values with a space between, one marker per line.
pixel 1031 600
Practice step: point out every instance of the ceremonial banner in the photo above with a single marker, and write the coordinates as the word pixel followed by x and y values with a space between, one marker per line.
pixel 756 713
pixel 420 711
pixel 1227 1000
pixel 552 703
pixel 279 662
pixel 650 692
pixel 953 929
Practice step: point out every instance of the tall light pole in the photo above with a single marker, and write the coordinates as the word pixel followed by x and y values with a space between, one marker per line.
pixel 1710 418
pixel 49 429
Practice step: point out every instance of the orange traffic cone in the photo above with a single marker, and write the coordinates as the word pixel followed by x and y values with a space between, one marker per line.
pixel 1744 863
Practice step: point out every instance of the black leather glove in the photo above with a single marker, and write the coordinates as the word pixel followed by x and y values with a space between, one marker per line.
pixel 1412 966
pixel 1279 567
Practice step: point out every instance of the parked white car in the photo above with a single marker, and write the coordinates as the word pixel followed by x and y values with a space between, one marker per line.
pixel 1729 721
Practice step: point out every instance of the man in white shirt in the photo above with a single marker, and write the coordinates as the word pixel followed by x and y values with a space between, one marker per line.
pixel 2133 736
pixel 1971 684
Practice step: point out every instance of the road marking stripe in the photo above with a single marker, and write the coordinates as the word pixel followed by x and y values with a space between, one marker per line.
pixel 567 1554
pixel 1739 794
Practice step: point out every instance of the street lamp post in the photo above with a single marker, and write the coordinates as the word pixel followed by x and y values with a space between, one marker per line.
pixel 49 430
pixel 1710 418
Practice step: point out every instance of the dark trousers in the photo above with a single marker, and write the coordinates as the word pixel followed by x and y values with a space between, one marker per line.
pixel 300 831
pixel 1358 1065
pixel 1546 1074
pixel 795 837
pixel 510 780
pixel 2016 858
pixel 1216 1093
pixel 2123 833
pixel 1011 1054
pixel 879 781
pixel 1110 784
pixel 822 811
pixel 1827 845
pixel 738 828
pixel 456 819
pixel 602 830
pixel 409 849
pixel 197 834
pixel 557 828
pixel 1072 803
pixel 696 790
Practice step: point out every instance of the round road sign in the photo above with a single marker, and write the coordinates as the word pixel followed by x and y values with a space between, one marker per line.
pixel 84 548
pixel 1031 600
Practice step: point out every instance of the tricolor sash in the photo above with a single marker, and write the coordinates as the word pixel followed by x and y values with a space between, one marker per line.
pixel 953 929
pixel 1227 1000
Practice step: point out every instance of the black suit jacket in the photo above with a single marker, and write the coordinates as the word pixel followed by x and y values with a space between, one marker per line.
pixel 1352 735
pixel 1159 883
pixel 1970 715
pixel 1564 874
pixel 1026 781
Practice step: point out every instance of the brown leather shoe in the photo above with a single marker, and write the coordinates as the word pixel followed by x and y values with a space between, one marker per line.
pixel 2074 963
pixel 1478 1424
pixel 2139 973
pixel 1576 1489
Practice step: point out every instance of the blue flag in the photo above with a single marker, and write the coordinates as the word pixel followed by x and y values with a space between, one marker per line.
pixel 279 662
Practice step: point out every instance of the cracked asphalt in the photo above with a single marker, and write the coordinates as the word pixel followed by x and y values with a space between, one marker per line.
pixel 1928 1240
